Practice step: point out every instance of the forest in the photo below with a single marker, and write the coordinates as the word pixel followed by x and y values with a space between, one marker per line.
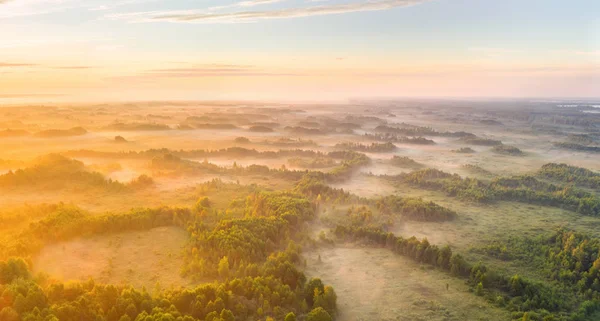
pixel 524 188
pixel 222 212
pixel 252 258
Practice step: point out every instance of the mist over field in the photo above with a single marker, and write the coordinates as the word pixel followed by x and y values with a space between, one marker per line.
pixel 371 211
pixel 299 160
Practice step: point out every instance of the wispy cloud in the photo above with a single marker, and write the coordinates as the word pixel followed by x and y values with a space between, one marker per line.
pixel 13 65
pixel 7 65
pixel 211 70
pixel 247 3
pixel 9 96
pixel 204 16
pixel 117 4
pixel 250 3
pixel 25 8
pixel 72 67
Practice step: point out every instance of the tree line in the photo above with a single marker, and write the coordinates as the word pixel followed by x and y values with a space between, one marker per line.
pixel 570 174
pixel 525 188
pixel 412 130
pixel 253 259
pixel 55 171
pixel 367 148
pixel 527 299
pixel 263 297
pixel 394 138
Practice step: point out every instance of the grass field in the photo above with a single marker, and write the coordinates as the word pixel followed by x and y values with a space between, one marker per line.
pixel 371 283
pixel 376 284
pixel 138 258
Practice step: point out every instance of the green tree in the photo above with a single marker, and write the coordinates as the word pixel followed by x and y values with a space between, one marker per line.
pixel 9 314
pixel 227 315
pixel 131 311
pixel 212 316
pixel 223 267
pixel 479 289
pixel 12 269
pixel 203 203
pixel 290 317
pixel 318 314
pixel 309 291
pixel 113 315
pixel 329 299
pixel 516 285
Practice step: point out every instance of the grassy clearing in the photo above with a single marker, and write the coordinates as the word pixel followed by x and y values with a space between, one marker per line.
pixel 372 284
pixel 375 284
pixel 138 258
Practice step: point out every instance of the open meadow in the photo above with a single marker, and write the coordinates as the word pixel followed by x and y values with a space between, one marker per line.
pixel 379 210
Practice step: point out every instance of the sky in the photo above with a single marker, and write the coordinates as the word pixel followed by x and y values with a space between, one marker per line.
pixel 297 50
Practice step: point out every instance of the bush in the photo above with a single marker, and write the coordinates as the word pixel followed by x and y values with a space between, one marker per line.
pixel 318 314
pixel 507 150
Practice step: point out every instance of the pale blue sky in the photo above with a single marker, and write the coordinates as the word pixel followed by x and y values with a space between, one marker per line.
pixel 317 37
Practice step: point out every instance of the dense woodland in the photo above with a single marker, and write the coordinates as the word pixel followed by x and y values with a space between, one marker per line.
pixel 316 162
pixel 526 189
pixel 480 141
pixel 393 138
pixel 59 172
pixel 405 162
pixel 254 233
pixel 465 150
pixel 253 258
pixel 412 130
pixel 372 148
pixel 570 174
pixel 578 147
pixel 476 169
pixel 528 299
pixel 507 150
